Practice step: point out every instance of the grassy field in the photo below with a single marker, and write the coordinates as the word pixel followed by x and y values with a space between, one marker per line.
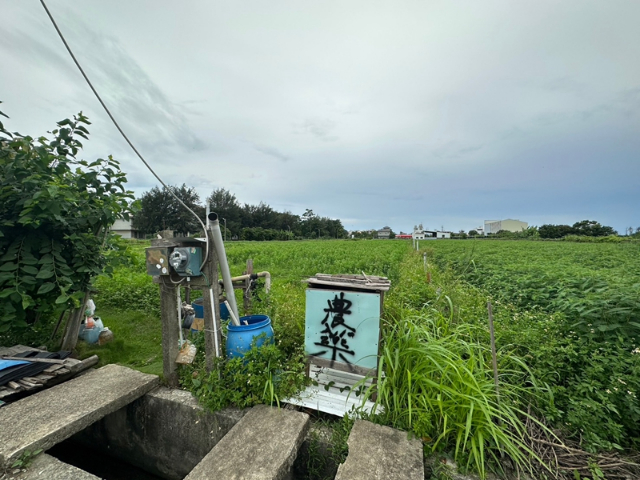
pixel 564 315
pixel 129 302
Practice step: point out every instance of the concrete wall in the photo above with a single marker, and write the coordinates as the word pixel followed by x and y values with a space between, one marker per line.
pixel 494 226
pixel 124 229
pixel 165 432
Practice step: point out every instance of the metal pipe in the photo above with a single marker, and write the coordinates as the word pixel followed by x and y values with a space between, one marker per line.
pixel 179 302
pixel 215 322
pixel 234 319
pixel 265 275
pixel 216 235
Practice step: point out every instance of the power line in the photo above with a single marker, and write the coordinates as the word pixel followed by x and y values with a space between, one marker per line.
pixel 55 25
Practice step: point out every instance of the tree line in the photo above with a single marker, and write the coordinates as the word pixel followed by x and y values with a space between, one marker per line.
pixel 159 210
pixel 584 228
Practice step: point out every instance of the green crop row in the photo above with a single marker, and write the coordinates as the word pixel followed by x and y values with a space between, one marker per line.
pixel 587 351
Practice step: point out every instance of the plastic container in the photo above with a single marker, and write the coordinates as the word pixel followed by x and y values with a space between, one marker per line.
pixel 239 338
pixel 90 335
pixel 199 308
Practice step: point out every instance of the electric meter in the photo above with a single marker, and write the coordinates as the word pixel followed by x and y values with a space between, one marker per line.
pixel 186 261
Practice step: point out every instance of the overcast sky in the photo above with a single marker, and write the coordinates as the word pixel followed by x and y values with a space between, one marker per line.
pixel 445 113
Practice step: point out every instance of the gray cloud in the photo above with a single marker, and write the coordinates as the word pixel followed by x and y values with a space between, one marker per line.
pixel 320 128
pixel 273 152
pixel 394 113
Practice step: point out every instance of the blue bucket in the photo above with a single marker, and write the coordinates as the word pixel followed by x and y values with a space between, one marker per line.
pixel 240 337
pixel 199 308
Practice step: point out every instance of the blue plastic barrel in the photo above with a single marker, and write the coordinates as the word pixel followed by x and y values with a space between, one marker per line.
pixel 224 312
pixel 199 308
pixel 240 337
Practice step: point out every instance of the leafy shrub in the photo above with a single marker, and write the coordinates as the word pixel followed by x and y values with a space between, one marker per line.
pixel 54 214
pixel 128 288
pixel 595 386
pixel 265 375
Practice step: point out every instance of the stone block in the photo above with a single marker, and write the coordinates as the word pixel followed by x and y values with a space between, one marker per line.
pixel 51 416
pixel 381 453
pixel 261 446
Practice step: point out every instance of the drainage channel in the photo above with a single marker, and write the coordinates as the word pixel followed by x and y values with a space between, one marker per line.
pixel 165 434
pixel 98 462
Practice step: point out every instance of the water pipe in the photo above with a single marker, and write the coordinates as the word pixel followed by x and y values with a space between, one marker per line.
pixel 216 236
pixel 215 322
pixel 249 276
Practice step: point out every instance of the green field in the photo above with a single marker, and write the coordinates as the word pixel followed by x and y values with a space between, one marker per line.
pixel 565 316
pixel 596 287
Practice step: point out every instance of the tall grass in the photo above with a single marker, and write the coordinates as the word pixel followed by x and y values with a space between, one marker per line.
pixel 438 384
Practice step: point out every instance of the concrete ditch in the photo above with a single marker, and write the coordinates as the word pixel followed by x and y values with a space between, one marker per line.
pixel 167 433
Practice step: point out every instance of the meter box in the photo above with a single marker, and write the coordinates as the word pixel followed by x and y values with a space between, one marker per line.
pixel 186 261
pixel 157 260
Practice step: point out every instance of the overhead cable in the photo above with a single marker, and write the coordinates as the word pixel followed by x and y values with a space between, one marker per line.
pixel 55 25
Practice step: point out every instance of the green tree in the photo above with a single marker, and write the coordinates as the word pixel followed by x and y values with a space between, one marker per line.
pixel 591 228
pixel 55 211
pixel 225 204
pixel 159 210
pixel 554 231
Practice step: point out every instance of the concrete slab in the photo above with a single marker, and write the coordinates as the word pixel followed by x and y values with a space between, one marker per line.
pixel 50 416
pixel 377 452
pixel 261 446
pixel 46 467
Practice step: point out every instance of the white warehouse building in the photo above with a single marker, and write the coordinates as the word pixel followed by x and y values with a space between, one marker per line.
pixel 510 225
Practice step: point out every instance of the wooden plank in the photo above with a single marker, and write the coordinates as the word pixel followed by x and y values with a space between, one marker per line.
pixel 327 397
pixel 27 385
pixel 5 392
pixel 212 330
pixel 344 367
pixel 33 380
pixel 34 360
pixel 53 368
pixel 332 402
pixel 373 287
pixel 325 376
pixel 70 338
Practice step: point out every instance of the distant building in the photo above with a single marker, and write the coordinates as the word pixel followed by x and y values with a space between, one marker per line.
pixel 125 229
pixel 420 234
pixel 404 236
pixel 384 233
pixel 510 225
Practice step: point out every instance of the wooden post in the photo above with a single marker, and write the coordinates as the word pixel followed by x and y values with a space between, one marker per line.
pixel 70 339
pixel 170 331
pixel 494 355
pixel 212 329
pixel 247 285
